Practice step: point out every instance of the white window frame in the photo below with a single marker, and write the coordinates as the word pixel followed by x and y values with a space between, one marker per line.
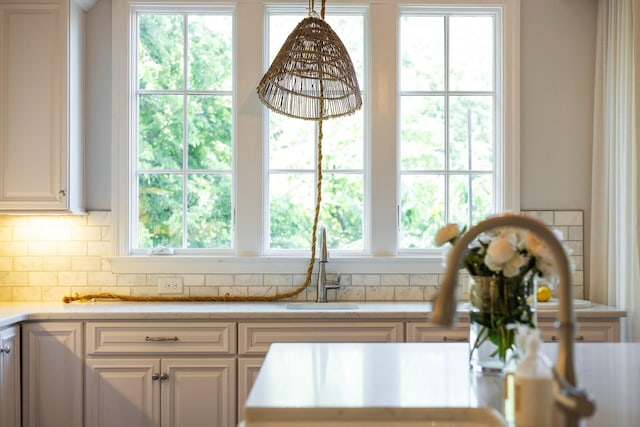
pixel 248 131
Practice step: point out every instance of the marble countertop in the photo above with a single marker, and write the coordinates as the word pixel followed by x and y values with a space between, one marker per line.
pixel 14 312
pixel 304 383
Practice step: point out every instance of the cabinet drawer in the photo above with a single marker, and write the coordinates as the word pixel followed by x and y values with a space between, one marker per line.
pixel 162 338
pixel 428 332
pixel 255 338
pixel 585 332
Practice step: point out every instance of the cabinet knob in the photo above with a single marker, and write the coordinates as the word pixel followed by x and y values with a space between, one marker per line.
pixel 160 376
pixel 62 193
pixel 5 349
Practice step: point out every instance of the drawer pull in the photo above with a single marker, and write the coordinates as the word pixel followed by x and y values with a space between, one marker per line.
pixel 161 339
pixel 5 349
pixel 578 338
pixel 454 339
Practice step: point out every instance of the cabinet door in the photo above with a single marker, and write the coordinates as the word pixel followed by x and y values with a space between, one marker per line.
pixel 248 369
pixel 10 377
pixel 198 392
pixel 52 374
pixel 33 104
pixel 123 392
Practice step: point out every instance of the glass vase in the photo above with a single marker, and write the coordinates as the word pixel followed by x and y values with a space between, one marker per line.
pixel 497 305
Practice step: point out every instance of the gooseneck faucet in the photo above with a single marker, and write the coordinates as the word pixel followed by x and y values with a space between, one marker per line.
pixel 573 401
pixel 323 283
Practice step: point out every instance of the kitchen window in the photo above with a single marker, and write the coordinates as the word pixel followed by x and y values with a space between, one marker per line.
pixel 435 141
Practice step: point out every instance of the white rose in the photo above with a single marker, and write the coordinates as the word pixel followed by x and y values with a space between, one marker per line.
pixel 446 234
pixel 501 249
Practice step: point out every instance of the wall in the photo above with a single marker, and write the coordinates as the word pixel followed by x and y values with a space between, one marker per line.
pixel 44 258
pixel 557 61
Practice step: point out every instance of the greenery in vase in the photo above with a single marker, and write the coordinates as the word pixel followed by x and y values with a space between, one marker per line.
pixel 513 259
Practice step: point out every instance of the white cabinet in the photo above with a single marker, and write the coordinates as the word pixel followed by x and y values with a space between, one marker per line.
pixel 10 376
pixel 52 365
pixel 164 392
pixel 41 130
pixel 255 338
pixel 429 332
pixel 151 374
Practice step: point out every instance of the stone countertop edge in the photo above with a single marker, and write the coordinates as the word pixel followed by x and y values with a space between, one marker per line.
pixel 16 312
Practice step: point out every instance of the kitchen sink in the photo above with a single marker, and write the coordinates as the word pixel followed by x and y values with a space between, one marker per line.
pixel 322 306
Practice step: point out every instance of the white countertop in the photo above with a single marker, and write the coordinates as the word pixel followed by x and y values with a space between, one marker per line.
pixel 339 381
pixel 14 312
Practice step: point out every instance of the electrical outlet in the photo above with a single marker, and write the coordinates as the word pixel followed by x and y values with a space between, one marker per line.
pixel 170 285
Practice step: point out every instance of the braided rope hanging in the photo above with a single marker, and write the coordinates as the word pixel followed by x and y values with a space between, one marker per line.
pixel 311 78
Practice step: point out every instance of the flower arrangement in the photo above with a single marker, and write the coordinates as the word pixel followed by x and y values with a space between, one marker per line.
pixel 514 259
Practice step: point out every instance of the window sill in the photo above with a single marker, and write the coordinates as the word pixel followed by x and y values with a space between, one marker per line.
pixel 175 264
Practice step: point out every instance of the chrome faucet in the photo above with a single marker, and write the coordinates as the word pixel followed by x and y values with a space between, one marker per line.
pixel 573 401
pixel 323 283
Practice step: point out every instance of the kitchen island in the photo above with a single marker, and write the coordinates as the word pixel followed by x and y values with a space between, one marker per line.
pixel 327 384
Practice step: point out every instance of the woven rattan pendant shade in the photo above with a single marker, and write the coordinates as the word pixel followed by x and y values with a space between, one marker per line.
pixel 312 76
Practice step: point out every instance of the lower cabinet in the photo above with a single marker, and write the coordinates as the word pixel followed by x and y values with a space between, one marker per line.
pixel 52 365
pixel 167 392
pixel 160 374
pixel 10 376
pixel 255 338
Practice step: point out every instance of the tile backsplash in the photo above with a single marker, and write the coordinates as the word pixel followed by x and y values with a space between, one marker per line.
pixel 44 258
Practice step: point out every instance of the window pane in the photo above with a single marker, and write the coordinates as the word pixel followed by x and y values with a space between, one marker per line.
pixel 459 199
pixel 209 211
pixel 210 52
pixel 160 122
pixel 422 53
pixel 343 210
pixel 291 209
pixel 343 141
pixel 471 53
pixel 422 130
pixel 160 210
pixel 482 202
pixel 422 212
pixel 210 126
pixel 291 143
pixel 160 52
pixel 471 132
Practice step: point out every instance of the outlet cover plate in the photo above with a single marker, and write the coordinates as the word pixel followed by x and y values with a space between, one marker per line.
pixel 170 285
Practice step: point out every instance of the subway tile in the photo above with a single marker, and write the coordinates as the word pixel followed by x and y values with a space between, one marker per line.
pixel 72 278
pixel 394 279
pixel 278 280
pixel 73 248
pixel 409 293
pixel 85 263
pixel 25 294
pixel 6 263
pixel 423 280
pixel 42 248
pixel 55 294
pixel 6 293
pixel 14 278
pixel 6 233
pixel 27 263
pixel 248 280
pixel 193 280
pixel 101 278
pixel 379 293
pixel 219 280
pixel 43 278
pixel 365 279
pixel 567 218
pixel 86 233
pixel 14 249
pixel 56 263
pixel 99 248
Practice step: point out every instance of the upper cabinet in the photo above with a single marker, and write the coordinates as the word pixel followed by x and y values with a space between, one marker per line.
pixel 41 106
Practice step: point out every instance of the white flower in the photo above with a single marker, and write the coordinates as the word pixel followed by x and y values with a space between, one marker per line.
pixel 502 255
pixel 446 234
